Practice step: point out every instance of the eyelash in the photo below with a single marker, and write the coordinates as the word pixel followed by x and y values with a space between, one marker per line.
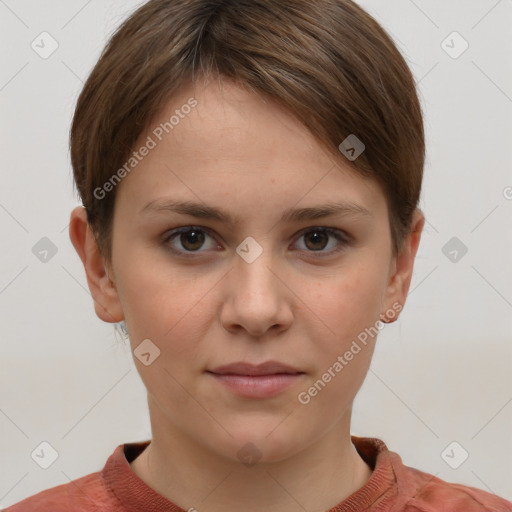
pixel 339 235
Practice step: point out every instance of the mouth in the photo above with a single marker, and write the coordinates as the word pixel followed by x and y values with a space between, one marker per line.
pixel 268 368
pixel 256 381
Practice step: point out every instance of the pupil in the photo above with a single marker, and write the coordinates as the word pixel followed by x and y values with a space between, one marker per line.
pixel 317 237
pixel 196 238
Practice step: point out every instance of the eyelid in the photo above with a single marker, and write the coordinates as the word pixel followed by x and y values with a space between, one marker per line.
pixel 336 232
pixel 173 233
pixel 340 235
pixel 343 238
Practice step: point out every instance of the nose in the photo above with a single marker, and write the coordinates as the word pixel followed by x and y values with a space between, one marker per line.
pixel 258 299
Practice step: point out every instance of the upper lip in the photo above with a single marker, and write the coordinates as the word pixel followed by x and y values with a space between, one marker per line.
pixel 241 368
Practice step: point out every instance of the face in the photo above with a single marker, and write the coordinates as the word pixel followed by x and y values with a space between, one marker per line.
pixel 253 273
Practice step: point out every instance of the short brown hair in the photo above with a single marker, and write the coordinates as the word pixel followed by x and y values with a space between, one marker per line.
pixel 327 61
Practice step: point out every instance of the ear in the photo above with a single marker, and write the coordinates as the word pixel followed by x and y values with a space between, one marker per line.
pixel 401 270
pixel 103 290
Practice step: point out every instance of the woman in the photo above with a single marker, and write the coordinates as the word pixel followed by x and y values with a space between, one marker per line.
pixel 250 173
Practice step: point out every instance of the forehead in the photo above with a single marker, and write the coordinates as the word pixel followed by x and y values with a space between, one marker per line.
pixel 219 141
pixel 238 122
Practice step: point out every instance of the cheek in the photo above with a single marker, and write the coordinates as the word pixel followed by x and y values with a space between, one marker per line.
pixel 167 307
pixel 349 305
pixel 349 300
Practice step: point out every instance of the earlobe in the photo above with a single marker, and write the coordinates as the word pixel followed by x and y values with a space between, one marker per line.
pixel 400 280
pixel 102 287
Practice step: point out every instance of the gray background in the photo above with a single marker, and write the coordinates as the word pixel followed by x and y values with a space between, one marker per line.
pixel 442 373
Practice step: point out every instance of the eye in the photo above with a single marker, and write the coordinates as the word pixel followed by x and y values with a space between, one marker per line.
pixel 317 239
pixel 190 238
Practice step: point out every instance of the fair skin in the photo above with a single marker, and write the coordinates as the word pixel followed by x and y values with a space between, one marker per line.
pixel 299 303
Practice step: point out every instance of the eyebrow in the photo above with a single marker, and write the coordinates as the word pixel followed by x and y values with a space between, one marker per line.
pixel 203 211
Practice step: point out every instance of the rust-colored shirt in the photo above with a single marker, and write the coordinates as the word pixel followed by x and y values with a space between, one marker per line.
pixel 392 487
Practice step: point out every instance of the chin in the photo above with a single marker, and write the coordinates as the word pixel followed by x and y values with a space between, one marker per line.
pixel 267 443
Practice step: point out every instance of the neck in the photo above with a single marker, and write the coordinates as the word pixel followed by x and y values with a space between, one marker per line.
pixel 316 479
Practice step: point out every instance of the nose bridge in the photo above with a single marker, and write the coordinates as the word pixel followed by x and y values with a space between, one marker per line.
pixel 253 268
pixel 257 300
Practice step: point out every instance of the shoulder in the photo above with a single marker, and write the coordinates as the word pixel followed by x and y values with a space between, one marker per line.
pixel 84 494
pixel 427 493
pixel 107 490
pixel 395 487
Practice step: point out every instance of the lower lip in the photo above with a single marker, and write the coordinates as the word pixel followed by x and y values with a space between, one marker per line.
pixel 258 386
